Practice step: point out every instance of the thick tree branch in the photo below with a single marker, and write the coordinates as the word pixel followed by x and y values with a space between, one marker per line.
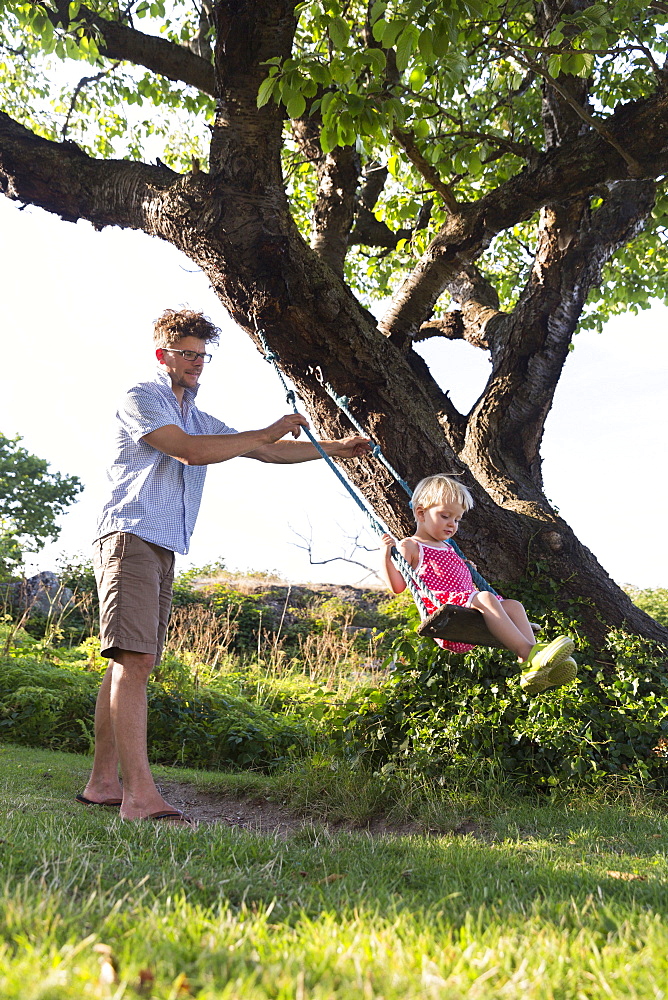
pixel 119 41
pixel 369 231
pixel 336 193
pixel 334 211
pixel 61 178
pixel 534 340
pixel 450 327
pixel 572 170
pixel 244 137
pixel 479 304
pixel 478 315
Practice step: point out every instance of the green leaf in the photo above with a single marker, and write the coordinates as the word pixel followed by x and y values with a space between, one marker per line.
pixel 319 72
pixel 440 39
pixel 417 78
pixel 266 90
pixel 378 29
pixel 554 65
pixel 377 59
pixel 328 138
pixel 426 46
pixel 377 10
pixel 339 32
pixel 327 100
pixel 295 105
pixel 340 72
pixel 406 44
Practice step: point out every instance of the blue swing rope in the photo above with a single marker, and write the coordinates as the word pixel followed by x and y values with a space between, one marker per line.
pixel 417 587
pixel 342 403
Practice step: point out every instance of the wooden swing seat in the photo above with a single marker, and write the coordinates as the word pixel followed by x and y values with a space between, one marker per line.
pixel 460 625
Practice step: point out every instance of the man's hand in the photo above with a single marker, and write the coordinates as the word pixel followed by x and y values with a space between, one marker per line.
pixel 350 447
pixel 291 423
pixel 288 452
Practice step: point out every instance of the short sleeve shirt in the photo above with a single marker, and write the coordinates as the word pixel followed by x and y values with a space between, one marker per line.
pixel 151 494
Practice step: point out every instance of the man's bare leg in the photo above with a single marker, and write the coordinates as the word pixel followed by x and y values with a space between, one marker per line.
pixel 103 784
pixel 120 718
pixel 128 718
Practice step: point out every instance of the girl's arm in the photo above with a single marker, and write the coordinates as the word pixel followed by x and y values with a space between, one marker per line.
pixel 389 571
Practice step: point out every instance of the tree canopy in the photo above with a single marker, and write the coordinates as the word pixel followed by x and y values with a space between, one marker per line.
pixel 484 171
pixel 31 498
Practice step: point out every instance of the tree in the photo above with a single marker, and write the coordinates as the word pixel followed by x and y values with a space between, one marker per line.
pixel 491 168
pixel 31 498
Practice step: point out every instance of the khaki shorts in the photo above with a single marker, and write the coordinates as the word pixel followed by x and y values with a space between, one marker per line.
pixel 134 583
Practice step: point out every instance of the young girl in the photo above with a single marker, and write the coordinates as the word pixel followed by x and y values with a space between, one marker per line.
pixel 438 505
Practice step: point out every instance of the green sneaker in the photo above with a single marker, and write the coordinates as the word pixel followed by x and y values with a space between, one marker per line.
pixel 549 665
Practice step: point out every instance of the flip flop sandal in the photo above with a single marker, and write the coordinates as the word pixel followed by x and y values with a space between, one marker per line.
pixel 171 816
pixel 111 803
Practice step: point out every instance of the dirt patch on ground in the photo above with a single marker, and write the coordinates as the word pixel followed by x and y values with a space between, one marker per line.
pixel 258 814
pixel 254 813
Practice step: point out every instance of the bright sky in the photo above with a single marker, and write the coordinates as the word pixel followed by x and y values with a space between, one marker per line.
pixel 77 310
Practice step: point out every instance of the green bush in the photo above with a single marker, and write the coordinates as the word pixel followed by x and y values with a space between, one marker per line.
pixel 443 714
pixel 653 601
pixel 51 704
pixel 211 730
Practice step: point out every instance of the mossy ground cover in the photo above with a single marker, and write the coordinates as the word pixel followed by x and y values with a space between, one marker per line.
pixel 541 900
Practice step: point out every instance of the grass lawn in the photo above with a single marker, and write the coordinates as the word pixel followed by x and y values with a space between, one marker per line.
pixel 540 901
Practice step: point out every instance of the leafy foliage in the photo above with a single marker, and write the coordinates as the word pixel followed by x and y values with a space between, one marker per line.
pixel 31 498
pixel 462 82
pixel 427 716
pixel 50 703
pixel 653 600
pixel 448 715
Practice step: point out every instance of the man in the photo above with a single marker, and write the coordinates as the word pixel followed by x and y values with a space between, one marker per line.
pixel 162 447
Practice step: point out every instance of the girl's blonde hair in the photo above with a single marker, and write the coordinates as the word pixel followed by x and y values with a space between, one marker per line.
pixel 434 490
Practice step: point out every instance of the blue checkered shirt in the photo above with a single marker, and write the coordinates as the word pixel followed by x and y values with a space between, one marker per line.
pixel 153 495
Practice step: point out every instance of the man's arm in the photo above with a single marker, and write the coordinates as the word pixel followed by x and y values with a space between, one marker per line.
pixel 264 444
pixel 290 452
pixel 209 449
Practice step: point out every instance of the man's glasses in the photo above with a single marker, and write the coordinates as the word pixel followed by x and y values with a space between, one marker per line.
pixel 190 355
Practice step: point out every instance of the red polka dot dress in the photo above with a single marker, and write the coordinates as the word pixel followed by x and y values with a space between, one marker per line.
pixel 449 578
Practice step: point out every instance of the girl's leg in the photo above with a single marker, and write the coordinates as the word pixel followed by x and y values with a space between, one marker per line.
pixel 502 626
pixel 518 617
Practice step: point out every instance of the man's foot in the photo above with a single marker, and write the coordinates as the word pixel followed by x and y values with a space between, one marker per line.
pixel 549 665
pixel 150 806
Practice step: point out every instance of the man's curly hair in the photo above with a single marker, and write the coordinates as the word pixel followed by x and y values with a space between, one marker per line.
pixel 177 323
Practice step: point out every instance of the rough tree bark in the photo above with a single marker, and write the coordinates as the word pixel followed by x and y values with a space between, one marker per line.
pixel 234 222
